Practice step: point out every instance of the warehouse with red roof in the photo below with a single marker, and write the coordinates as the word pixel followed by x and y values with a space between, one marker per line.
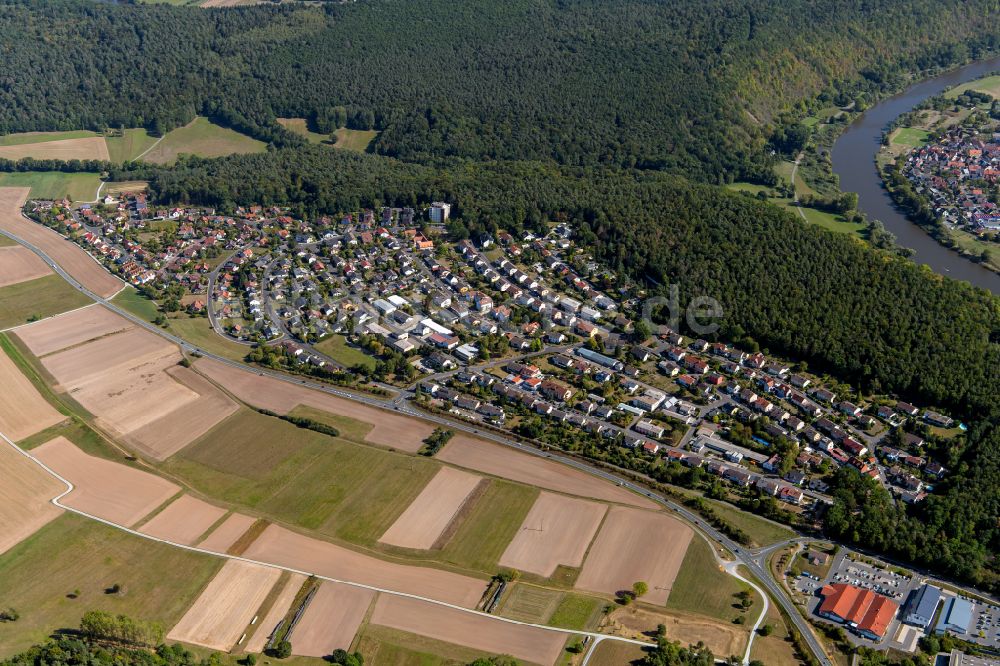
pixel 865 612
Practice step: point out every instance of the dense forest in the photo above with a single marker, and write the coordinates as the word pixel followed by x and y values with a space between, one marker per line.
pixel 682 86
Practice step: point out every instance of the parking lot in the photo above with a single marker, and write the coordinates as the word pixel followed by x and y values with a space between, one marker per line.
pixel 893 585
pixel 985 627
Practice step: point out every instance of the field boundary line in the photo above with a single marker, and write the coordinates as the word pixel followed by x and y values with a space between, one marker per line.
pixel 70 488
pixel 12 329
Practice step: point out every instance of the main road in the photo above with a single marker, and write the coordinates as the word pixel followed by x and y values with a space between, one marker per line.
pixel 755 565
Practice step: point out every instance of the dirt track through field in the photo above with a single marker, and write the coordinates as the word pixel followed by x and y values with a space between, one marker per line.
pixel 332 619
pixel 70 329
pixel 632 546
pixel 23 410
pixel 184 520
pixel 556 531
pixel 227 604
pixel 393 430
pixel 447 624
pixel 507 463
pixel 427 517
pixel 25 491
pixel 278 545
pixel 84 148
pixel 226 534
pixel 19 264
pixel 106 489
pixel 67 254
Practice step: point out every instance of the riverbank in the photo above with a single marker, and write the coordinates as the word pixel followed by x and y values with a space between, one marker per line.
pixel 853 159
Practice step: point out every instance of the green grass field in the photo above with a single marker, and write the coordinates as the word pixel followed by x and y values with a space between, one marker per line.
pixel 356 140
pixel 702 587
pixel 54 184
pixel 910 137
pixel 43 137
pixel 132 301
pixel 349 428
pixel 198 331
pixel 41 297
pixel 527 603
pixel 391 647
pixel 340 489
pixel 989 85
pixel 336 347
pixel 576 611
pixel 130 145
pixel 489 526
pixel 762 532
pixel 299 126
pixel 820 218
pixel 74 553
pixel 203 138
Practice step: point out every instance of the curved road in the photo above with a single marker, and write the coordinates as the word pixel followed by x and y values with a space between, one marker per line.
pixel 744 556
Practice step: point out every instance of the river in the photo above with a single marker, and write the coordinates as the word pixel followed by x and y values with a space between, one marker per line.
pixel 854 162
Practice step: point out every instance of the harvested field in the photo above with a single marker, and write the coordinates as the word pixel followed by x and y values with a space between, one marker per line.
pixel 19 264
pixel 67 254
pixel 70 329
pixel 331 620
pixel 507 463
pixel 556 531
pixel 228 533
pixel 131 382
pixel 106 489
pixel 632 546
pixel 436 506
pixel 278 545
pixel 534 645
pixel 23 410
pixel 224 610
pixel 267 624
pixel 184 520
pixel 392 430
pixel 25 491
pixel 86 148
pixel 171 432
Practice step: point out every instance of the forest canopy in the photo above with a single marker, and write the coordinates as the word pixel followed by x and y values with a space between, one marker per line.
pixel 682 86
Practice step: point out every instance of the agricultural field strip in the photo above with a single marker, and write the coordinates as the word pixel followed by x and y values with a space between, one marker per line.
pixel 69 488
pixel 730 567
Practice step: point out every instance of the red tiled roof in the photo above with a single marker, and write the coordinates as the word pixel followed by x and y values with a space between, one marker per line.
pixel 869 611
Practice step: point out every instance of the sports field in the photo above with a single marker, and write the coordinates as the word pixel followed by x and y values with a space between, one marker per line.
pixel 336 347
pixel 39 576
pixel 910 137
pixel 38 298
pixel 339 488
pixel 202 138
